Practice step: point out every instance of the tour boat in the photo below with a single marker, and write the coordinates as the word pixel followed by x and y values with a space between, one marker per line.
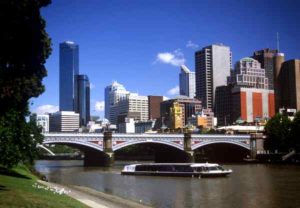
pixel 176 169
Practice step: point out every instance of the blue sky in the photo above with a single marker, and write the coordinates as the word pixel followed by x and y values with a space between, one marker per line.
pixel 139 43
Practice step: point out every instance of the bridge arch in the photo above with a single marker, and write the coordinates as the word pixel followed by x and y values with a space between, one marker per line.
pixel 45 148
pixel 133 142
pixel 205 143
pixel 78 144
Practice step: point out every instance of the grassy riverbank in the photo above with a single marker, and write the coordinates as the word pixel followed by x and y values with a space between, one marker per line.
pixel 18 189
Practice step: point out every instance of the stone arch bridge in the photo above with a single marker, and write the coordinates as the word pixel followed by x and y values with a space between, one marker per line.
pixel 97 145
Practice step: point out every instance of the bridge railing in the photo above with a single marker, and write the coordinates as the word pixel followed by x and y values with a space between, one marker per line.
pixel 72 133
pixel 221 136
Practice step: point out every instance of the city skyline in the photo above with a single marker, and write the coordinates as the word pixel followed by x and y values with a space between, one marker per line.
pixel 184 87
pixel 116 53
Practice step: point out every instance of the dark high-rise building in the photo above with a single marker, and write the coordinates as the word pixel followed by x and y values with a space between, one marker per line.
pixel 68 68
pixel 154 106
pixel 290 82
pixel 82 98
pixel 223 105
pixel 265 57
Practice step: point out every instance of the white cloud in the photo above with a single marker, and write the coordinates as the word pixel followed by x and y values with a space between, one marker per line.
pixel 99 106
pixel 175 58
pixel 192 45
pixel 173 91
pixel 165 98
pixel 92 86
pixel 46 109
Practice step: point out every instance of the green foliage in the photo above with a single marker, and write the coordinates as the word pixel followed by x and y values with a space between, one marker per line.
pixel 58 148
pixel 282 133
pixel 295 132
pixel 18 139
pixel 25 46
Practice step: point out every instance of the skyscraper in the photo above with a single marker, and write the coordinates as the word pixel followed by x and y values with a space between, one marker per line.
pixel 154 106
pixel 223 105
pixel 290 84
pixel 265 57
pixel 248 73
pixel 64 121
pixel 107 91
pixel 278 61
pixel 213 64
pixel 68 68
pixel 134 106
pixel 113 94
pixel 82 98
pixel 187 82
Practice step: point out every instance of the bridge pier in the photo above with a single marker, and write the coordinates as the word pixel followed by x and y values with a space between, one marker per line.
pixel 107 148
pixel 256 144
pixel 188 147
pixel 97 158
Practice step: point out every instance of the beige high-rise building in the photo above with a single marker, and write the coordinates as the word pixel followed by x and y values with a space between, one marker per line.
pixel 212 65
pixel 278 60
pixel 64 121
pixel 134 106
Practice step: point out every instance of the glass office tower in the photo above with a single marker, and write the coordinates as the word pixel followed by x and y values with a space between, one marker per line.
pixel 187 84
pixel 68 68
pixel 82 98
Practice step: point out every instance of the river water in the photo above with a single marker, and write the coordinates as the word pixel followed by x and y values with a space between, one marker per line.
pixel 250 185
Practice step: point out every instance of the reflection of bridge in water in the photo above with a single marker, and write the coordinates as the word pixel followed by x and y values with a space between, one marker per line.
pixel 99 148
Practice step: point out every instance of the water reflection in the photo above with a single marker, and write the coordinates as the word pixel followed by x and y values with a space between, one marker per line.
pixel 249 185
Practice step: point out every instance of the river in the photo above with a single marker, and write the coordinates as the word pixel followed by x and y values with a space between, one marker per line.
pixel 250 185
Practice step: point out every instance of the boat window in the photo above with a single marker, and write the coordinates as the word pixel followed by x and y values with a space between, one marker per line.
pixel 220 168
pixel 165 168
pixel 154 168
pixel 198 169
pixel 183 168
pixel 140 168
pixel 214 168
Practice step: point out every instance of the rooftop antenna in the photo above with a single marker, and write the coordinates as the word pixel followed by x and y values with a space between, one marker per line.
pixel 278 42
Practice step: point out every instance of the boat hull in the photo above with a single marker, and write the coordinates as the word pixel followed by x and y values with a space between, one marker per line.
pixel 176 174
pixel 208 175
pixel 176 170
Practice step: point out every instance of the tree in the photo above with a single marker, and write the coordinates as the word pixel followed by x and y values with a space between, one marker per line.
pixel 295 132
pixel 24 48
pixel 278 132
